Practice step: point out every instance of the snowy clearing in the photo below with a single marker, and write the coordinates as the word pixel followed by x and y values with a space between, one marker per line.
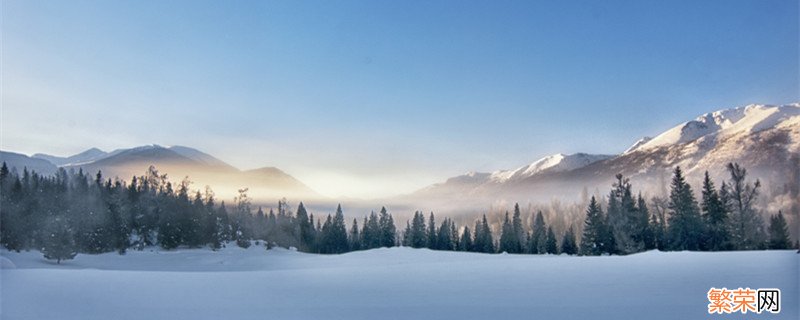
pixel 396 283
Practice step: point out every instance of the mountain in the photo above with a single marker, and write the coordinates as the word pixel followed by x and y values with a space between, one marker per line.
pixel 90 155
pixel 477 185
pixel 553 163
pixel 178 162
pixel 16 161
pixel 765 139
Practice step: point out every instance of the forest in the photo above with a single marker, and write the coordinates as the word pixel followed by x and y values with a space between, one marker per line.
pixel 74 212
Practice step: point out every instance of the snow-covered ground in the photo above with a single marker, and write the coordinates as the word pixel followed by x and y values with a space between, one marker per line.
pixel 396 283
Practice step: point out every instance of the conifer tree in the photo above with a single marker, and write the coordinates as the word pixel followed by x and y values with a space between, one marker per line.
pixel 59 243
pixel 465 244
pixel 779 233
pixel 521 236
pixel 685 225
pixel 568 243
pixel 593 241
pixel 551 246
pixel 507 236
pixel 445 239
pixel 747 227
pixel 715 217
pixel 418 237
pixel 355 237
pixel 484 241
pixel 537 244
pixel 387 229
pixel 646 234
pixel 431 242
pixel 305 228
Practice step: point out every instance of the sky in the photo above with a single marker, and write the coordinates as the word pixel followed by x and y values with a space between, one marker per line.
pixel 374 98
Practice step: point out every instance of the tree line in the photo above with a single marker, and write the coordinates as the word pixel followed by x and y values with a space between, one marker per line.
pixel 72 212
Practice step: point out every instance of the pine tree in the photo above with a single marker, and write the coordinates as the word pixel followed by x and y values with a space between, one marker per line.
pixel 646 234
pixel 779 233
pixel 466 240
pixel 593 241
pixel 305 228
pixel 685 224
pixel 387 229
pixel 446 240
pixel 623 218
pixel 371 235
pixel 59 243
pixel 339 232
pixel 551 246
pixel 418 237
pixel 507 236
pixel 568 243
pixel 537 244
pixel 484 241
pixel 715 217
pixel 355 238
pixel 519 230
pixel 431 243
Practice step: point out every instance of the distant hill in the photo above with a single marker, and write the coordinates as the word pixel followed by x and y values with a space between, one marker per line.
pixel 178 162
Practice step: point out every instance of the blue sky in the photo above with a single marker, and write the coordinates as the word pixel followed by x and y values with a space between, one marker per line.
pixel 371 98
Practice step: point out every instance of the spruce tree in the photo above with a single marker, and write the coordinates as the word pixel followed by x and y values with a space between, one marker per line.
pixel 387 229
pixel 418 236
pixel 551 246
pixel 484 241
pixel 779 233
pixel 715 217
pixel 685 224
pixel 305 228
pixel 339 232
pixel 646 234
pixel 521 236
pixel 355 237
pixel 623 218
pixel 466 240
pixel 446 240
pixel 431 241
pixel 568 243
pixel 593 241
pixel 537 244
pixel 507 236
pixel 59 243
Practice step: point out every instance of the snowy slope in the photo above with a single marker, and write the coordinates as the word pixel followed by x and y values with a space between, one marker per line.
pixel 87 156
pixel 396 283
pixel 554 163
pixel 748 119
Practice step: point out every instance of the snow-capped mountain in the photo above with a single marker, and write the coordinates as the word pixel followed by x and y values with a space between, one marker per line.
pixel 765 139
pixel 721 124
pixel 550 164
pixel 470 182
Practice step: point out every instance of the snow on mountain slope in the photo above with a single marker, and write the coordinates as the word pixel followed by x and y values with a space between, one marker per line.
pixel 387 283
pixel 553 163
pixel 748 119
pixel 87 156
pixel 638 144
